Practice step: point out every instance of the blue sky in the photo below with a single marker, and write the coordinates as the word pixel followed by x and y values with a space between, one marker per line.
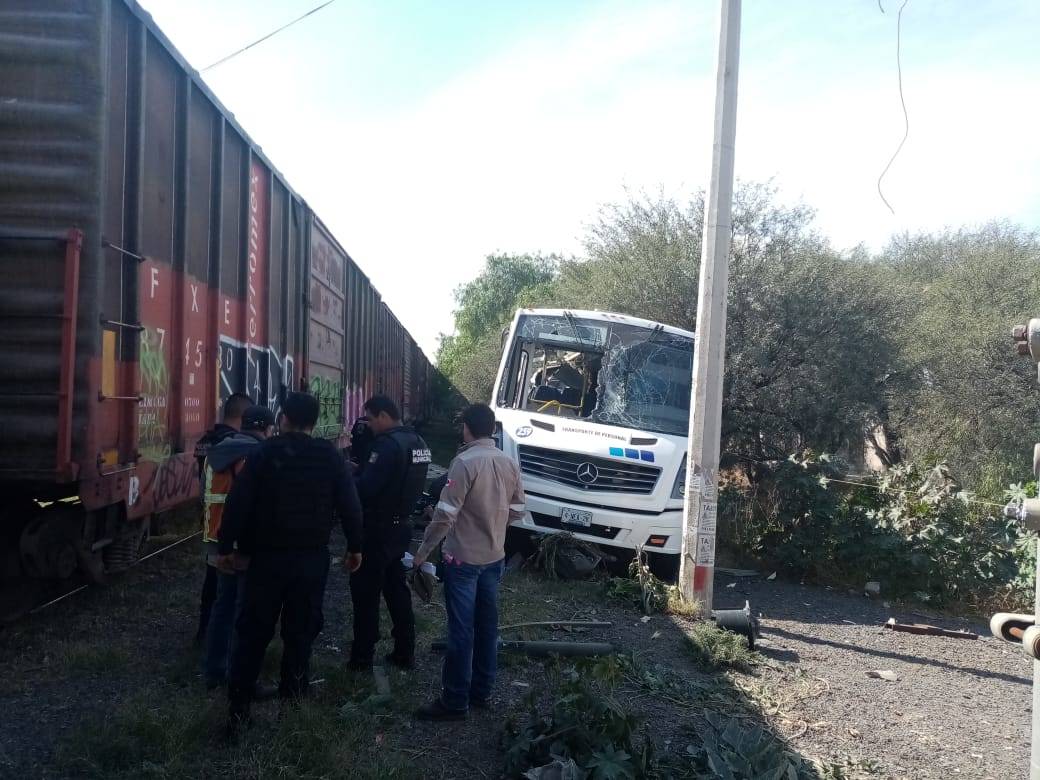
pixel 428 135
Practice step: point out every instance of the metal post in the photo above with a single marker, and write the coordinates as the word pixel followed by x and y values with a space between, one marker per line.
pixel 1034 755
pixel 697 564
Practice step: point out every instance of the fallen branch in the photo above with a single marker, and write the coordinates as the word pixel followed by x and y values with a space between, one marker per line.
pixel 927 630
pixel 556 623
pixel 544 649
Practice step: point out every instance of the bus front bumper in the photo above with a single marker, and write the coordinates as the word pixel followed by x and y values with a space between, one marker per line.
pixel 615 527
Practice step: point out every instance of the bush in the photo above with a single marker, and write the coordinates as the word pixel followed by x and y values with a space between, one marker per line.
pixel 911 530
pixel 650 594
pixel 587 725
pixel 715 648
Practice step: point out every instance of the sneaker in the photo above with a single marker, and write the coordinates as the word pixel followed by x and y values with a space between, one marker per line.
pixel 436 711
pixel 400 661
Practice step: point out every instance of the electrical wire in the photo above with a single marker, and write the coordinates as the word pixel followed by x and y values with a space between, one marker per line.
pixel 269 35
pixel 902 100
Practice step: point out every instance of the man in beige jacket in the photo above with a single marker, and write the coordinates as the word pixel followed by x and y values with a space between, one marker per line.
pixel 483 496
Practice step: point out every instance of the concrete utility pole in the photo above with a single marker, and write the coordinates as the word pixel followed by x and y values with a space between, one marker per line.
pixel 697 566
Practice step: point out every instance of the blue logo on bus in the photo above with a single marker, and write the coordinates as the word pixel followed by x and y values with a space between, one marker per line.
pixel 625 452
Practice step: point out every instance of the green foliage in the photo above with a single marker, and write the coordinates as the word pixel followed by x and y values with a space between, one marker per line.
pixel 966 400
pixel 586 724
pixel 485 305
pixel 913 531
pixel 714 648
pixel 645 591
pixel 734 749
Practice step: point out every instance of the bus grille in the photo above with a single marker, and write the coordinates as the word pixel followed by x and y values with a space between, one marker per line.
pixel 585 472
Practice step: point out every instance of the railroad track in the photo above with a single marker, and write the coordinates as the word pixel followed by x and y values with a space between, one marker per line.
pixel 16 613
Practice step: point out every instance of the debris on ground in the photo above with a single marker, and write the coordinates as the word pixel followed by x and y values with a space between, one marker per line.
pixel 542 649
pixel 872 588
pixel 883 674
pixel 738 572
pixel 739 621
pixel 564 556
pixel 927 630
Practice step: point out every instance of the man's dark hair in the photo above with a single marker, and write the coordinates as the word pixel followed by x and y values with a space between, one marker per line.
pixel 301 409
pixel 480 420
pixel 378 404
pixel 235 406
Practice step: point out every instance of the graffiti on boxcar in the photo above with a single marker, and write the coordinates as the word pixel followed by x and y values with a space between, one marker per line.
pixel 175 480
pixel 257 371
pixel 153 437
pixel 329 393
pixel 354 403
pixel 280 378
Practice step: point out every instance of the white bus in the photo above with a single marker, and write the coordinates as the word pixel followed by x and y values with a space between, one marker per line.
pixel 595 409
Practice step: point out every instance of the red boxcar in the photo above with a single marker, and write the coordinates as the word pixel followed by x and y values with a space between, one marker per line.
pixel 154 262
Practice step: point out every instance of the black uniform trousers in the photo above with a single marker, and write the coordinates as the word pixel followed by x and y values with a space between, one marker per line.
pixel 209 596
pixel 290 583
pixel 383 573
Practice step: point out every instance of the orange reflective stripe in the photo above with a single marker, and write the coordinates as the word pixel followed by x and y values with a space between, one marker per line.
pixel 218 485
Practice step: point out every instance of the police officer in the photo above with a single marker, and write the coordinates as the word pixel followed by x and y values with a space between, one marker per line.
pixel 390 482
pixel 280 513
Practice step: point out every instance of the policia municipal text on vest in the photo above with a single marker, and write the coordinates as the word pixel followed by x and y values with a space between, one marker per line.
pixel 390 482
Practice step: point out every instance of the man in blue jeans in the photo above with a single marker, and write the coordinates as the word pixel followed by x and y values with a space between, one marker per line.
pixel 223 464
pixel 482 497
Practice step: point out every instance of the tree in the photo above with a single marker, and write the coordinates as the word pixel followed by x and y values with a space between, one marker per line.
pixel 469 357
pixel 809 341
pixel 969 401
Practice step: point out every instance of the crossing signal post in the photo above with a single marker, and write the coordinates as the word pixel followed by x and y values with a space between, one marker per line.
pixel 1022 628
pixel 697 563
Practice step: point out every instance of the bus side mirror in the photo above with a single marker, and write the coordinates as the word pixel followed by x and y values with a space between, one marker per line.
pixel 505 332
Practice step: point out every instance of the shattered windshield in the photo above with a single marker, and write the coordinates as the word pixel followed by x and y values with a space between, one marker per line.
pixel 601 372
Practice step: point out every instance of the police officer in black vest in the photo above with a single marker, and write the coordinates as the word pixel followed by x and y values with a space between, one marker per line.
pixel 390 482
pixel 280 514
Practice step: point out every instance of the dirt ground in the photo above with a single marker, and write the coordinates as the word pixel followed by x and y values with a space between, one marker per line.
pixel 106 684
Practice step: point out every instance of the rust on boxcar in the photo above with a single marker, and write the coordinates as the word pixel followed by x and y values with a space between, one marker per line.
pixel 200 273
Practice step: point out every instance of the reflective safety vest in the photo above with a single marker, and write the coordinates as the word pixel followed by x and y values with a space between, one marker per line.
pixel 218 485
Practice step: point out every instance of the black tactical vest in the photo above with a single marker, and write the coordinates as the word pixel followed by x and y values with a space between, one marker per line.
pixel 297 508
pixel 399 497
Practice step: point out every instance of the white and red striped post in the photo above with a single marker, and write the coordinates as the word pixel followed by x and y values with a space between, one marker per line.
pixel 697 565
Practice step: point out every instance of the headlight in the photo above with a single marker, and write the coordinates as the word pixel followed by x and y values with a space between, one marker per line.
pixel 679 488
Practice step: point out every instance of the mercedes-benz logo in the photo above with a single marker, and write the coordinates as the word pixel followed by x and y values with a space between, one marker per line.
pixel 588 473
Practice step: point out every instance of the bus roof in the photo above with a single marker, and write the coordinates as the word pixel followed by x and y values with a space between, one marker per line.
pixel 607 316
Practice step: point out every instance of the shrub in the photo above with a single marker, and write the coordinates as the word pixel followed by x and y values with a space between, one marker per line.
pixel 912 530
pixel 715 648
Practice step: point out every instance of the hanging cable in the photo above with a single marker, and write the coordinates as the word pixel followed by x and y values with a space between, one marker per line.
pixel 902 100
pixel 269 35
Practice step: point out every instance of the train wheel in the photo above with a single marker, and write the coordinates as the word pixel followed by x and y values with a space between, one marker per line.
pixel 126 548
pixel 48 543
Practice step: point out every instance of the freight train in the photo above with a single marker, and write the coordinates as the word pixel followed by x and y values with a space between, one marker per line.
pixel 154 261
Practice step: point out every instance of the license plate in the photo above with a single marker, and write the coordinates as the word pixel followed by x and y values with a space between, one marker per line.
pixel 576 517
